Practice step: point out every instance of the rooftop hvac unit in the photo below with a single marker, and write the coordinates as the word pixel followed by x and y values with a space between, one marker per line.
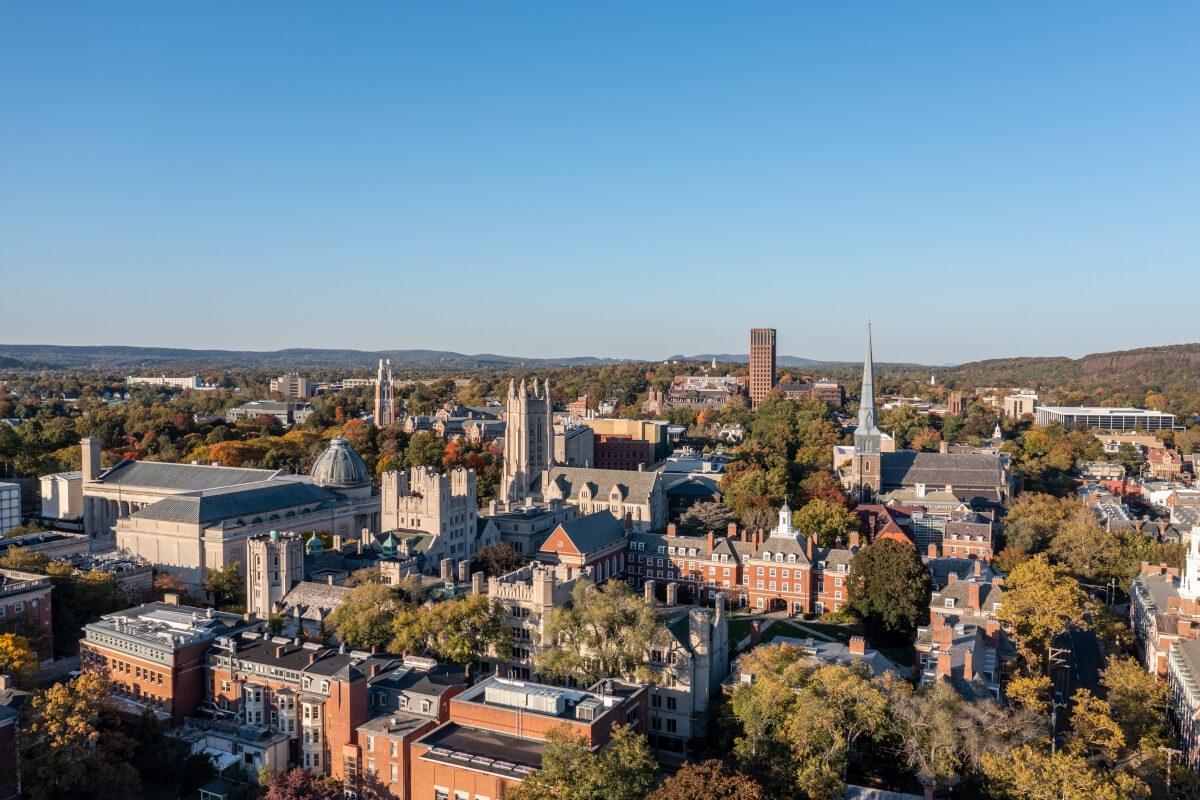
pixel 547 701
pixel 588 709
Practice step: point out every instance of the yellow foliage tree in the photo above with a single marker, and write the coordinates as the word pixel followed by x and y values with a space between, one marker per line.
pixel 17 657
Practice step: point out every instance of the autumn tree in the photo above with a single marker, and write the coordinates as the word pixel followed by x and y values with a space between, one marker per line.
pixel 1032 519
pixel 298 783
pixel 1082 546
pixel 1029 773
pixel 606 631
pixel 1040 603
pixel 1094 732
pixel 1137 697
pixel 828 522
pixel 708 780
pixel 364 617
pixel 890 587
pixel 424 449
pixel 624 769
pixel 462 631
pixel 72 745
pixel 704 517
pixel 17 658
pixel 497 559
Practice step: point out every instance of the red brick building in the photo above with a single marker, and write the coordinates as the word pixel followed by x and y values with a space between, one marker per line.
pixel 597 541
pixel 762 364
pixel 496 730
pixel 615 451
pixel 25 607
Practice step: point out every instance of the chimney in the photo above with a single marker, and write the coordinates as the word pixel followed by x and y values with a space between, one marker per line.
pixel 944 447
pixel 337 542
pixel 374 669
pixel 853 539
pixel 477 582
pixel 710 542
pixel 648 591
pixel 951 578
pixel 973 599
pixel 280 650
pixel 671 531
pixel 6 683
pixel 943 665
pixel 932 550
pixel 943 635
pixel 858 646
pixel 808 547
pixel 755 632
pixel 329 579
pixel 1137 524
pixel 628 524
pixel 672 593
pixel 447 569
pixel 978 568
pixel 312 655
pixel 968 664
pixel 732 530
pixel 91 458
pixel 1162 528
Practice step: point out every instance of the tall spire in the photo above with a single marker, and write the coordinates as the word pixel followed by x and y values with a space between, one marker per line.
pixel 867 435
pixel 1189 584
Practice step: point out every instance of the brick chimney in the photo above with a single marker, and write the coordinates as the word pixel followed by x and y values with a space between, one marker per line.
pixel 943 666
pixel 312 656
pixel 6 683
pixel 951 578
pixel 943 636
pixel 755 632
pixel 1137 524
pixel 969 664
pixel 1162 528
pixel 280 650
pixel 973 595
pixel 858 645
pixel 711 540
pixel 671 531
pixel 853 539
pixel 808 547
pixel 932 550
pixel 731 530
pixel 978 568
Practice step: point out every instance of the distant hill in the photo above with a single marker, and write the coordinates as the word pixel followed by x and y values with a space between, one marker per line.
pixel 1169 366
pixel 743 358
pixel 166 358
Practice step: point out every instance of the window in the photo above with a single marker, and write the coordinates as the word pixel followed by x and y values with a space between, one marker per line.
pixel 671 726
pixel 395 776
pixel 671 702
pixel 370 744
pixel 441 794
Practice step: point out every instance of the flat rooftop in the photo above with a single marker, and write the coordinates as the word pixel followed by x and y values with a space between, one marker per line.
pixel 1103 411
pixel 486 751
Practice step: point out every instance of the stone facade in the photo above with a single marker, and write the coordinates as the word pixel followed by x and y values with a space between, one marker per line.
pixel 443 506
pixel 274 564
pixel 528 596
pixel 385 398
pixel 528 440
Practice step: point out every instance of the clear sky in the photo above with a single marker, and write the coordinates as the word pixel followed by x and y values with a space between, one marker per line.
pixel 641 179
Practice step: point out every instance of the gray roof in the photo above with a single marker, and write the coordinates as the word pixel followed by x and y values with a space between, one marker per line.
pixel 340 465
pixel 637 486
pixel 232 502
pixel 182 477
pixel 958 470
pixel 594 531
pixel 315 601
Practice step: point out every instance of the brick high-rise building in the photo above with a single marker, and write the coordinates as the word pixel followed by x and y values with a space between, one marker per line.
pixel 762 364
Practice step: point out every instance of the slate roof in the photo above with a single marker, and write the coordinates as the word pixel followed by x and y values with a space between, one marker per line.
pixel 638 486
pixel 314 600
pixel 73 475
pixel 181 477
pixel 965 470
pixel 593 532
pixel 231 502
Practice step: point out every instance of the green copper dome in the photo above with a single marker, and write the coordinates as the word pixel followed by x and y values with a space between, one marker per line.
pixel 313 546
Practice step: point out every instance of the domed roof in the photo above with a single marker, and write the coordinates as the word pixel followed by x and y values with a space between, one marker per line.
pixel 340 467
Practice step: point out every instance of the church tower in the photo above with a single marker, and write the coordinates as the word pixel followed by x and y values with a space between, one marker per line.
pixel 385 400
pixel 867 436
pixel 528 440
pixel 1189 584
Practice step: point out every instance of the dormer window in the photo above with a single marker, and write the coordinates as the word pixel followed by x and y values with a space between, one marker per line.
pixel 791 558
pixel 766 555
pixel 949 602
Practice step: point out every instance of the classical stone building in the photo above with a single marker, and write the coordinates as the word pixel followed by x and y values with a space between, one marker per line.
pixel 385 398
pixel 528 440
pixel 690 668
pixel 574 443
pixel 189 532
pixel 441 509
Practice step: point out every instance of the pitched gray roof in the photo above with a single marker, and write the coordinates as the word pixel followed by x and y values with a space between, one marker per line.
pixel 181 477
pixel 314 600
pixel 638 486
pixel 232 502
pixel 959 470
pixel 594 531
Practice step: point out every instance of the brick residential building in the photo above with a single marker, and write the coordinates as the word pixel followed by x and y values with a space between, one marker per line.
pixel 622 452
pixel 762 364
pixel 594 542
pixel 1164 607
pixel 26 606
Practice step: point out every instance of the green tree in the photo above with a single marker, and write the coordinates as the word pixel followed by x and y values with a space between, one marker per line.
pixel 1032 519
pixel 1083 547
pixel 1138 698
pixel 424 449
pixel 704 517
pixel 890 587
pixel 825 520
pixel 463 631
pixel 624 769
pixel 606 631
pixel 364 617
pixel 1027 773
pixel 226 586
pixel 71 744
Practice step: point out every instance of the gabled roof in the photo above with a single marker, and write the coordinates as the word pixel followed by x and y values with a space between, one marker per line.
pixel 635 486
pixel 592 532
pixel 231 502
pixel 936 470
pixel 181 477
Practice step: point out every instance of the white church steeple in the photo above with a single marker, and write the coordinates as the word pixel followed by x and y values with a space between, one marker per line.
pixel 1189 584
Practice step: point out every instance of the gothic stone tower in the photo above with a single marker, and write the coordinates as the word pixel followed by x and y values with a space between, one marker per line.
pixel 867 436
pixel 385 400
pixel 528 440
pixel 274 565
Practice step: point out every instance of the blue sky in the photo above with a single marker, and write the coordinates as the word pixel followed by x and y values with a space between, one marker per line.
pixel 641 179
